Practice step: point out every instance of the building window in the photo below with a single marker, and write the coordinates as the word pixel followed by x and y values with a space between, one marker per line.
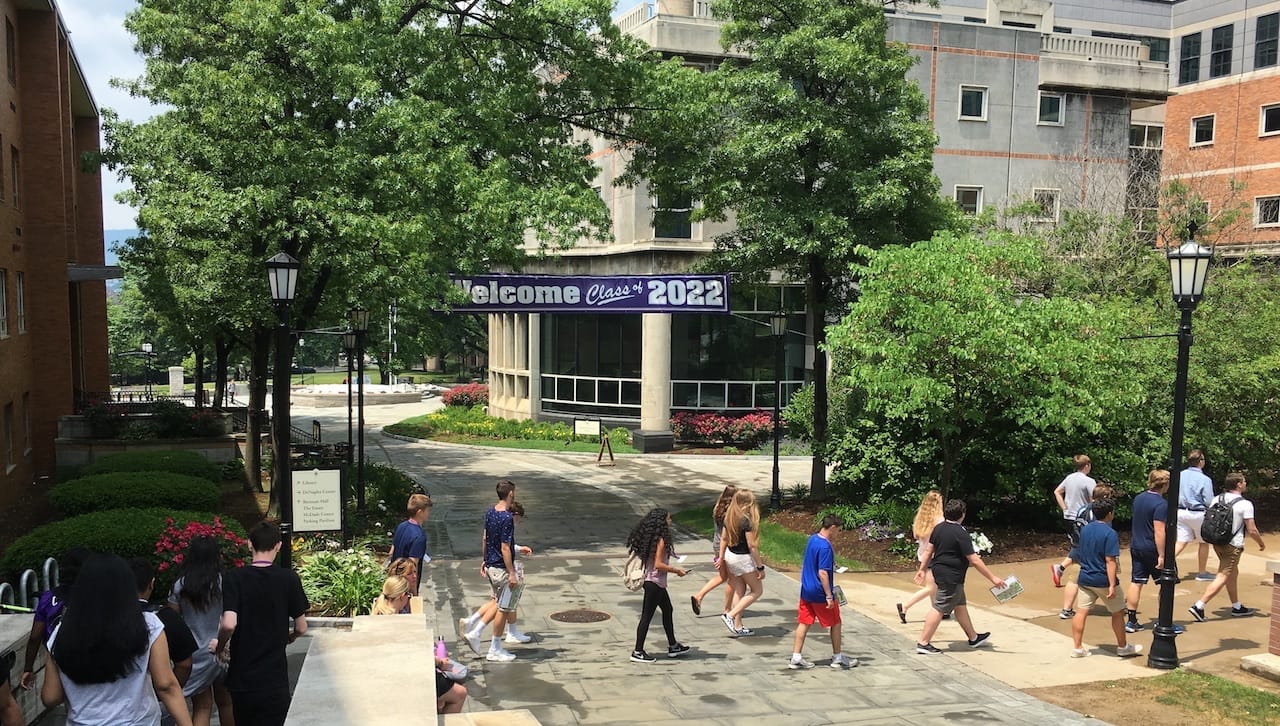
pixel 1269 120
pixel 9 463
pixel 1268 36
pixel 26 423
pixel 1202 130
pixel 17 170
pixel 1189 59
pixel 11 51
pixel 1047 202
pixel 1146 136
pixel 20 300
pixel 1266 212
pixel 1220 55
pixel 4 303
pixel 973 103
pixel 671 217
pixel 1050 109
pixel 969 198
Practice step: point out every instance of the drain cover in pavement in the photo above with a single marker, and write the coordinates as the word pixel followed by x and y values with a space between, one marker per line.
pixel 579 616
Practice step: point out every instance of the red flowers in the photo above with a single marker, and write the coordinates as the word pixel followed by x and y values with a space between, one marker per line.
pixel 749 430
pixel 468 394
pixel 173 543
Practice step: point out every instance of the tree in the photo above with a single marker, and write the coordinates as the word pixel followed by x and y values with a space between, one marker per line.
pixel 818 145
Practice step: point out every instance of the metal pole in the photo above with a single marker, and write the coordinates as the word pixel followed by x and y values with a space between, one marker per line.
pixel 282 475
pixel 360 503
pixel 775 499
pixel 349 441
pixel 1164 649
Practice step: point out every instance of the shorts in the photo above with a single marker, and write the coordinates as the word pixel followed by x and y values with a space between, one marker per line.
pixel 443 684
pixel 739 564
pixel 1144 565
pixel 1189 523
pixel 826 615
pixel 1228 558
pixel 260 708
pixel 948 598
pixel 1089 595
pixel 508 597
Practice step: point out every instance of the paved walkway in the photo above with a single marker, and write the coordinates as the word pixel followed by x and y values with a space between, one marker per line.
pixel 579 516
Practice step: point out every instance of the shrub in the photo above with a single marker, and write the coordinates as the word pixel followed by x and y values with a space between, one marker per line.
pixel 345 582
pixel 178 462
pixel 878 518
pixel 467 395
pixel 386 489
pixel 176 537
pixel 126 489
pixel 749 430
pixel 124 532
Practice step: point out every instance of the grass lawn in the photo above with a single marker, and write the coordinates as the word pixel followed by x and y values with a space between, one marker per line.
pixel 531 444
pixel 515 433
pixel 1180 697
pixel 782 548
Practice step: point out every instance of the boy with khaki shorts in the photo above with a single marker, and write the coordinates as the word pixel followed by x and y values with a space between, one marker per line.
pixel 1099 552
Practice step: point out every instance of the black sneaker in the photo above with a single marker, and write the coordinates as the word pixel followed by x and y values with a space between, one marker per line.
pixel 639 656
pixel 979 640
pixel 1197 613
pixel 1242 612
pixel 927 649
pixel 677 650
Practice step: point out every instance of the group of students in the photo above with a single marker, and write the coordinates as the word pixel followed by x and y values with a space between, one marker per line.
pixel 220 639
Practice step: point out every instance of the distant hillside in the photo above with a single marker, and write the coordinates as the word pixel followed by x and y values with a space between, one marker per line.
pixel 112 237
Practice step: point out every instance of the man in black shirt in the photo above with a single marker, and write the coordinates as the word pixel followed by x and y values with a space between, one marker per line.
pixel 949 555
pixel 257 602
pixel 182 645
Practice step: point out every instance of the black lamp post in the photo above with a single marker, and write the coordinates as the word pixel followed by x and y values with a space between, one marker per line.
pixel 1188 269
pixel 147 352
pixel 349 343
pixel 282 272
pixel 778 324
pixel 359 318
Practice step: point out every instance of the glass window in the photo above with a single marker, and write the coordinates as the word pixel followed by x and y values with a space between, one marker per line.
pixel 671 217
pixel 1047 201
pixel 973 103
pixel 1050 109
pixel 1220 55
pixel 1159 48
pixel 1269 123
pixel 969 199
pixel 1201 130
pixel 1146 136
pixel 1264 49
pixel 1189 59
pixel 1266 212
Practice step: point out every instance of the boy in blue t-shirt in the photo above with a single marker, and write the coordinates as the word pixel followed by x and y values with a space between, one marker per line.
pixel 410 540
pixel 817 598
pixel 1099 551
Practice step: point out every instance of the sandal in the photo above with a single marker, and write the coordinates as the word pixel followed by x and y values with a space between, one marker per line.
pixel 902 614
pixel 697 606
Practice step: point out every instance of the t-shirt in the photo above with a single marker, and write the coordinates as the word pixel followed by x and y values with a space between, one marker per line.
pixel 951 549
pixel 265 600
pixel 127 701
pixel 203 625
pixel 1076 488
pixel 742 547
pixel 1241 512
pixel 1098 541
pixel 49 611
pixel 1148 508
pixel 410 541
pixel 181 643
pixel 499 527
pixel 818 556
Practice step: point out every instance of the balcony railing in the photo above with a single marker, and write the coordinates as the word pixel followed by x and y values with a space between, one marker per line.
pixel 1093 48
pixel 635 16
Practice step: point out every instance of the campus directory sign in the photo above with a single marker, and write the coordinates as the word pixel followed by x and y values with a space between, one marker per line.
pixel 594 293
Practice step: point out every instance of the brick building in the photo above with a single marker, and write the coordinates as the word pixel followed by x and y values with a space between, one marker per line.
pixel 53 330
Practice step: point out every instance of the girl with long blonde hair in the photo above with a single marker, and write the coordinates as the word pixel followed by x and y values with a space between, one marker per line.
pixel 928 515
pixel 722 575
pixel 394 598
pixel 740 552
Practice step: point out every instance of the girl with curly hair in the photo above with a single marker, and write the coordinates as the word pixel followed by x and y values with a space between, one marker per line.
pixel 740 551
pixel 651 542
pixel 928 516
pixel 722 575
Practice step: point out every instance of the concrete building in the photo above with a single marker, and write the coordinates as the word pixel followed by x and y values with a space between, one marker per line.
pixel 53 329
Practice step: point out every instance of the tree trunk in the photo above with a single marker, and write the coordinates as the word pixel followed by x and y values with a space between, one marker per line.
pixel 221 352
pixel 948 467
pixel 816 298
pixel 198 375
pixel 257 404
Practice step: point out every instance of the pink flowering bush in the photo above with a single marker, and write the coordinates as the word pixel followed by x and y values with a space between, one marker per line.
pixel 749 431
pixel 174 540
pixel 468 395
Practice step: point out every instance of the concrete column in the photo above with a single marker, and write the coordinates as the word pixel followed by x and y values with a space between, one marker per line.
pixel 535 365
pixel 655 384
pixel 176 384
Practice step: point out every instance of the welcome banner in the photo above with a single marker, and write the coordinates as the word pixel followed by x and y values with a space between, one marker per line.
pixel 594 293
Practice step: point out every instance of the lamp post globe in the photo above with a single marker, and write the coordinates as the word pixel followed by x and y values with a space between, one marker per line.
pixel 282 276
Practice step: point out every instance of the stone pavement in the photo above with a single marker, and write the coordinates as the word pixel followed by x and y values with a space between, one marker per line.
pixel 579 516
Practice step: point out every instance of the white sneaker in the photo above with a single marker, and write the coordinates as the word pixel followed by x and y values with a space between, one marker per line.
pixel 1081 652
pixel 1129 650
pixel 473 641
pixel 843 661
pixel 515 636
pixel 500 656
pixel 801 664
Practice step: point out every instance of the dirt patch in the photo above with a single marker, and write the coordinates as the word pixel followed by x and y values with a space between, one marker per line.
pixel 26 512
pixel 246 508
pixel 1179 699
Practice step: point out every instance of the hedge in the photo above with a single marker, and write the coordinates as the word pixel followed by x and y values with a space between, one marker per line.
pixel 135 489
pixel 178 462
pixel 125 532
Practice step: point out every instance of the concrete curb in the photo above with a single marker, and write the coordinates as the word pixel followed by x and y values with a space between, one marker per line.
pixel 583 454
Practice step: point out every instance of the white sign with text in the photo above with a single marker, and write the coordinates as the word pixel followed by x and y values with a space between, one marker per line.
pixel 317 500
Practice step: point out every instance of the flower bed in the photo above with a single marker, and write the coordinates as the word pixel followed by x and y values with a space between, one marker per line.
pixel 467 395
pixel 748 431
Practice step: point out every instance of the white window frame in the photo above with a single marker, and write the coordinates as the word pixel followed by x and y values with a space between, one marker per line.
pixel 1062 106
pixel 20 300
pixel 1257 207
pixel 1262 119
pixel 986 97
pixel 1192 130
pixel 694 229
pixel 1057 202
pixel 955 194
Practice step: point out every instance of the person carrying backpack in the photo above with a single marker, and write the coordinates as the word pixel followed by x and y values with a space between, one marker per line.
pixel 1215 532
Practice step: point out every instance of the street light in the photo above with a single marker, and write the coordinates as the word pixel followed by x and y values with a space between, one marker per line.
pixel 349 343
pixel 1188 269
pixel 146 363
pixel 359 319
pixel 778 326
pixel 282 272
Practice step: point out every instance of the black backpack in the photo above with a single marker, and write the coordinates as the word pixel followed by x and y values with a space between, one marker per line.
pixel 1083 517
pixel 1219 521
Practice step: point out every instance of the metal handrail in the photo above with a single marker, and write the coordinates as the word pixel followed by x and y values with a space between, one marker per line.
pixel 28 598
pixel 50 571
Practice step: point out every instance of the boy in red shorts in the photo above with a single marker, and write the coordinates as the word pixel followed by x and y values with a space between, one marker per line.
pixel 817 598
